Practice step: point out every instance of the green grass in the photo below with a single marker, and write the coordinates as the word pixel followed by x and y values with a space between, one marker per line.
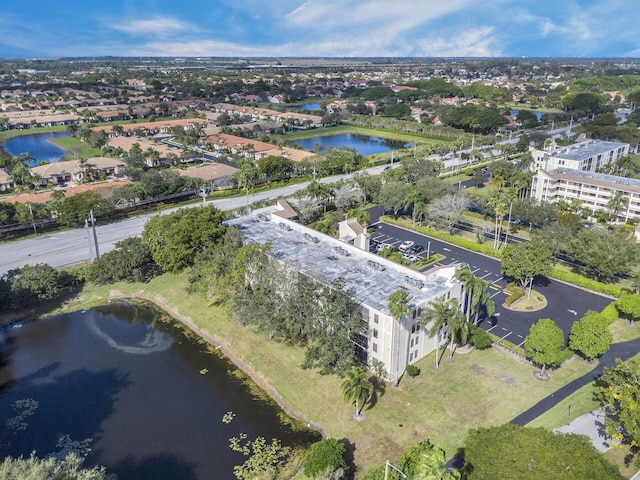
pixel 434 405
pixel 581 402
pixel 623 332
pixel 69 143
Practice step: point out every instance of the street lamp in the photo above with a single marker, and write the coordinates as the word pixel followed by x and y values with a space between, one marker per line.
pixel 386 470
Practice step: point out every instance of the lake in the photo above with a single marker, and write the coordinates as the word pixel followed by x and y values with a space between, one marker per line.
pixel 38 145
pixel 514 113
pixel 127 381
pixel 363 144
pixel 308 106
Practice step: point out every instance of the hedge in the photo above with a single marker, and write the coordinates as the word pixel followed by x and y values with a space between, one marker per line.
pixel 610 312
pixel 584 282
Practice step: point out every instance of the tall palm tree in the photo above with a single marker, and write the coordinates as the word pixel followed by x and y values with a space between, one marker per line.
pixel 398 305
pixel 438 315
pixel 499 205
pixel 467 278
pixel 357 388
pixel 481 298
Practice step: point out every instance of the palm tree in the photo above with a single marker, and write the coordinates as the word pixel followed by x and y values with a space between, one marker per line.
pixel 438 314
pixel 357 388
pixel 398 305
pixel 617 203
pixel 467 278
pixel 459 329
pixel 499 205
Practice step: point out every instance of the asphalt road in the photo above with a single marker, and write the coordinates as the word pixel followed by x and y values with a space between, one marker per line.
pixel 565 303
pixel 71 247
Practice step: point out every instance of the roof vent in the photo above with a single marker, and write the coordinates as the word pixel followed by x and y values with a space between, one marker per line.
pixel 341 251
pixel 413 282
pixel 376 266
pixel 284 226
pixel 311 238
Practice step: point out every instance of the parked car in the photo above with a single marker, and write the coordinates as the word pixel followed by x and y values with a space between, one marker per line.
pixel 404 245
pixel 415 249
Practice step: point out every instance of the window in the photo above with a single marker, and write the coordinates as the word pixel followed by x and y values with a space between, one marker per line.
pixel 411 357
pixel 411 343
pixel 417 339
pixel 448 295
pixel 375 318
pixel 374 347
pixel 418 327
pixel 375 333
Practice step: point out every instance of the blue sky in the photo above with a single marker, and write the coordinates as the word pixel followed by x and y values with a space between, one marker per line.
pixel 349 28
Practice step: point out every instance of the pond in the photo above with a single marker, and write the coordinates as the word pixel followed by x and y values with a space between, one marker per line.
pixel 308 106
pixel 363 144
pixel 126 381
pixel 514 113
pixel 38 146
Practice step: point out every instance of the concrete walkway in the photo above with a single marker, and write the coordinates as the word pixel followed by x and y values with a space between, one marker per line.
pixel 591 425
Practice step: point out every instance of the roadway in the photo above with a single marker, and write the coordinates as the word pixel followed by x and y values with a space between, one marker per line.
pixel 565 303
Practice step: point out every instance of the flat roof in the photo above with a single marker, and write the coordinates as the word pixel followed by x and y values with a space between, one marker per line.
pixel 584 150
pixel 371 278
pixel 602 179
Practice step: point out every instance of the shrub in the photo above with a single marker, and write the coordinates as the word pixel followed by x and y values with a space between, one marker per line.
pixel 413 371
pixel 468 171
pixel 517 294
pixel 325 455
pixel 610 312
pixel 479 338
pixel 583 282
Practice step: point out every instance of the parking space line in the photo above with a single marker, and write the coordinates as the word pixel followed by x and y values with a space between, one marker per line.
pixel 497 293
pixel 495 287
pixel 521 343
pixel 492 328
pixel 506 335
pixel 486 275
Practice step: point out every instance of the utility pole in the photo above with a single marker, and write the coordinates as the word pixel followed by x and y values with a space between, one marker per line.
pixel 203 194
pixel 33 220
pixel 86 229
pixel 95 235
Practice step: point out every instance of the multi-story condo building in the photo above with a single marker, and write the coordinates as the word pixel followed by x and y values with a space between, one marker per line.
pixel 594 191
pixel 588 156
pixel 370 278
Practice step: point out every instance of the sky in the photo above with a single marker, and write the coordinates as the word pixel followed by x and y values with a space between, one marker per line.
pixel 320 28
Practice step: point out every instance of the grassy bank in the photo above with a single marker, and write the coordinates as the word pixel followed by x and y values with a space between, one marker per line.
pixel 73 143
pixel 434 405
pixel 375 132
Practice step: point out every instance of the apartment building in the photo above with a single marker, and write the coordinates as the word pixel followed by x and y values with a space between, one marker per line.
pixel 588 156
pixel 593 190
pixel 371 279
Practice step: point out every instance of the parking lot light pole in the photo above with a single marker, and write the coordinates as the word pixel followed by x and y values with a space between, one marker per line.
pixel 428 250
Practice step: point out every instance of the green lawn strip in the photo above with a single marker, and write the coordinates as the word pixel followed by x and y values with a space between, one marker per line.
pixel 623 332
pixel 68 143
pixel 434 405
pixel 616 455
pixel 581 403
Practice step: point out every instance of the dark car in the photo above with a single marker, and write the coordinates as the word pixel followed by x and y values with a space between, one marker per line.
pixel 415 249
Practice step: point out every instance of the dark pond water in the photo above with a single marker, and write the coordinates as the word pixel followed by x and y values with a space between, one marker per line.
pixel 147 398
pixel 363 144
pixel 537 114
pixel 38 145
pixel 308 106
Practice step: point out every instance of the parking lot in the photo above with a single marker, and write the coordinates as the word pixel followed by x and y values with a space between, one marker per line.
pixel 565 303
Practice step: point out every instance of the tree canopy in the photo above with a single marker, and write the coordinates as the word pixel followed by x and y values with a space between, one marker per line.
pixel 511 451
pixel 524 261
pixel 590 336
pixel 544 344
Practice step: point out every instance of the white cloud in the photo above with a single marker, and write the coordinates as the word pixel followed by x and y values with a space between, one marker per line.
pixel 481 42
pixel 157 25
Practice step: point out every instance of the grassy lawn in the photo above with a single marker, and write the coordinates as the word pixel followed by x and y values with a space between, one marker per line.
pixel 435 405
pixel 581 402
pixel 623 332
pixel 68 143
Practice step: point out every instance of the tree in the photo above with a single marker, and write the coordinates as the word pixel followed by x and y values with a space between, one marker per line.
pixel 265 459
pixel 392 196
pixel 629 305
pixel 604 254
pixel 34 468
pixel 34 284
pixel 130 261
pixel 438 314
pixel 498 202
pixel 590 336
pixel 618 391
pixel 398 305
pixel 511 451
pixel 448 210
pixel 432 465
pixel 325 456
pixel 476 294
pixel 617 203
pixel 176 239
pixel 544 344
pixel 357 388
pixel 524 261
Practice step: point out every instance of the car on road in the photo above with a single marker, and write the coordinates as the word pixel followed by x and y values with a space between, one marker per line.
pixel 405 245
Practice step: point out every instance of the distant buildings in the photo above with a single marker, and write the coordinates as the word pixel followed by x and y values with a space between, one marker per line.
pixel 370 278
pixel 589 156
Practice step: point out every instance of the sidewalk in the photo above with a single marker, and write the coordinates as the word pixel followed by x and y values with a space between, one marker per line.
pixel 591 425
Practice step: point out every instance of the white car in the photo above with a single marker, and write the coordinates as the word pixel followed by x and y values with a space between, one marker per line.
pixel 404 245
